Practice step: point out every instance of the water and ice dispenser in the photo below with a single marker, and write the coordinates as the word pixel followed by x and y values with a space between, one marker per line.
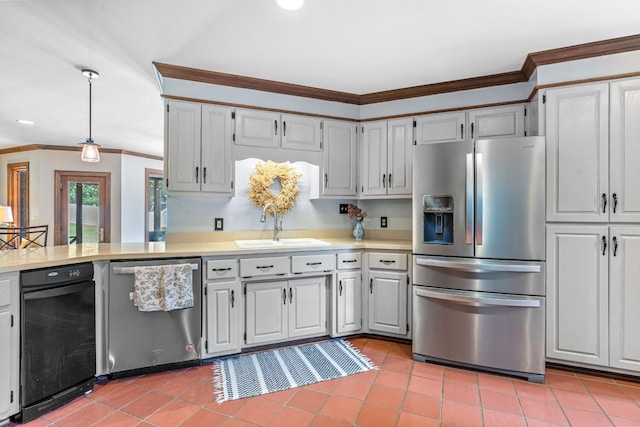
pixel 438 219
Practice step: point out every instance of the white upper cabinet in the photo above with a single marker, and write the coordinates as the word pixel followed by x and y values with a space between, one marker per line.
pixel 624 151
pixel 480 123
pixel 496 122
pixel 386 160
pixel 338 176
pixel 443 127
pixel 198 147
pixel 274 130
pixel 577 121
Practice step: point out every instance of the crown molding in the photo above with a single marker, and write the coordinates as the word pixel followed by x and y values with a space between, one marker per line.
pixel 33 147
pixel 532 61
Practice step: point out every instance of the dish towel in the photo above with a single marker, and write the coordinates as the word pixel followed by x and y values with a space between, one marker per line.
pixel 163 287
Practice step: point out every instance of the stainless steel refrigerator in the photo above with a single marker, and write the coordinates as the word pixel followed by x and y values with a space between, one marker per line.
pixel 479 250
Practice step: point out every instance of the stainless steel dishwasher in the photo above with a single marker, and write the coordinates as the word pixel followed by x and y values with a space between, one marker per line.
pixel 142 342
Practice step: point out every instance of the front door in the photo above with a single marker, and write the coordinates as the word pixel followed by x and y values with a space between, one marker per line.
pixel 82 207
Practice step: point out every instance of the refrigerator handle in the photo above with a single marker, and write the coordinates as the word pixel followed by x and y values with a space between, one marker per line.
pixel 469 203
pixel 479 191
pixel 478 301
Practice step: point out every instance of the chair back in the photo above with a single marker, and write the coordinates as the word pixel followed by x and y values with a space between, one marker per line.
pixel 23 237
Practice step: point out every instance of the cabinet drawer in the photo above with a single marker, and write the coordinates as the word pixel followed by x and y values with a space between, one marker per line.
pixel 5 293
pixel 349 261
pixel 310 263
pixel 387 261
pixel 264 266
pixel 222 269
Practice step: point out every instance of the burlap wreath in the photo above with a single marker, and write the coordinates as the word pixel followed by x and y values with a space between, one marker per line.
pixel 260 186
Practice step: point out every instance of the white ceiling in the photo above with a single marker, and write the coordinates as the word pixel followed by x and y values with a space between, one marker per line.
pixel 355 46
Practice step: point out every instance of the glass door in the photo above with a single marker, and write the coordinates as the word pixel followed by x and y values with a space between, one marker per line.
pixel 155 206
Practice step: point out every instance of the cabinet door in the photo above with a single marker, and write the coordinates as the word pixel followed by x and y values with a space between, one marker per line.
pixel 183 146
pixel 445 127
pixel 578 153
pixel 339 158
pixel 625 293
pixel 577 293
pixel 374 159
pixel 388 302
pixel 217 160
pixel 257 128
pixel 624 149
pixel 349 303
pixel 223 320
pixel 301 132
pixel 9 349
pixel 400 157
pixel 496 122
pixel 307 307
pixel 266 312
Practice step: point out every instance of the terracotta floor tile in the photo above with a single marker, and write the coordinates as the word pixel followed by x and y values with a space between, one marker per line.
pixel 461 414
pixel 378 345
pixel 122 395
pixel 526 390
pixel 420 404
pixel 38 422
pixel 173 413
pixel 258 411
pixel 500 402
pixel 374 416
pixel 401 350
pixel 205 417
pixel 543 411
pixel 531 422
pixel 67 409
pixel 154 380
pixel 573 399
pixel 376 357
pixel 392 379
pixel 624 422
pixel 200 394
pixel 396 364
pixel 292 417
pixel 594 377
pixel 352 387
pixel 146 404
pixel 502 419
pixel 428 386
pixel 461 376
pixel 104 388
pixel 200 373
pixel 624 408
pixel 564 382
pixel 282 396
pixel 386 396
pixel 90 413
pixel 325 386
pixel 608 389
pixel 632 392
pixel 461 393
pixel 230 407
pixel 496 383
pixel 428 370
pixel 408 419
pixel 324 421
pixel 369 376
pixel 308 400
pixel 178 386
pixel 119 419
pixel 578 417
pixel 342 408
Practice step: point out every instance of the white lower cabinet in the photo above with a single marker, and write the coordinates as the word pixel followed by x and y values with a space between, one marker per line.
pixel 279 310
pixel 593 289
pixel 223 307
pixel 388 302
pixel 9 350
pixel 349 302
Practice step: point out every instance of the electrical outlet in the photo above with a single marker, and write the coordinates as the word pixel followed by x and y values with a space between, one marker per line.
pixel 344 208
pixel 383 222
pixel 218 224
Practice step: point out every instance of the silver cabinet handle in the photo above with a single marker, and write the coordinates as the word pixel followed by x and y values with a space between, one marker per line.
pixel 387 261
pixel 479 267
pixel 197 172
pixel 314 263
pixel 221 269
pixel 384 177
pixel 275 123
pixel 389 180
pixel 604 203
pixel 233 298
pixel 467 300
pixel 261 267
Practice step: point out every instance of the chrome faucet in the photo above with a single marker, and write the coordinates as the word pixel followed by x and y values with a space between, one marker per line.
pixel 277 226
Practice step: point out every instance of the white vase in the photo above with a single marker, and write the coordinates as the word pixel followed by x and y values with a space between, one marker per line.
pixel 358 231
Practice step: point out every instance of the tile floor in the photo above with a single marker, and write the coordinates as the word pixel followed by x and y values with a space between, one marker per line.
pixel 402 392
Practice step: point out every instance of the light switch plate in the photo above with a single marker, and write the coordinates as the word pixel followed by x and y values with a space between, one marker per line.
pixel 219 224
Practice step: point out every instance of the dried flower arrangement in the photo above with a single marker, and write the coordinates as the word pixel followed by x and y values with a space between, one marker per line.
pixel 355 212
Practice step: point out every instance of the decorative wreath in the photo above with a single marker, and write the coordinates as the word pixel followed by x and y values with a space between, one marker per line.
pixel 260 186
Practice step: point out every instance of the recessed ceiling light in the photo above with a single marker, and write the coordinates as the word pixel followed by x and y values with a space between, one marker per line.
pixel 290 4
pixel 25 122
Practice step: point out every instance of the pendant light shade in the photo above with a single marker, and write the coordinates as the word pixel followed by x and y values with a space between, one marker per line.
pixel 290 4
pixel 90 152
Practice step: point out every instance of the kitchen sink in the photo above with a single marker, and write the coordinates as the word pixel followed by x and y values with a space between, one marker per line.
pixel 282 243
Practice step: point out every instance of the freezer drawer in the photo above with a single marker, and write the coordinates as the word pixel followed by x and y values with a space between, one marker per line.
pixel 495 331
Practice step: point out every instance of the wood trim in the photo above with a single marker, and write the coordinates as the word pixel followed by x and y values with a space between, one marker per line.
pixel 233 80
pixel 532 61
pixel 13 191
pixel 582 81
pixel 33 147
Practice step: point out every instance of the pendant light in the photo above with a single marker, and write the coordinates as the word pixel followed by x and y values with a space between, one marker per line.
pixel 90 151
pixel 290 4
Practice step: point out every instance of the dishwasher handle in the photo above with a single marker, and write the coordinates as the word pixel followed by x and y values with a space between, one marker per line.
pixel 132 270
pixel 478 301
pixel 479 267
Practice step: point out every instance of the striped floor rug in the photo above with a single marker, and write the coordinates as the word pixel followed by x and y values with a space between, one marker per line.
pixel 281 369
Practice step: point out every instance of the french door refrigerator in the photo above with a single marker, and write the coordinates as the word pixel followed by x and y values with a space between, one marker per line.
pixel 478 254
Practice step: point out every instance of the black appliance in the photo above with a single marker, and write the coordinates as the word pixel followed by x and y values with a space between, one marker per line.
pixel 58 337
